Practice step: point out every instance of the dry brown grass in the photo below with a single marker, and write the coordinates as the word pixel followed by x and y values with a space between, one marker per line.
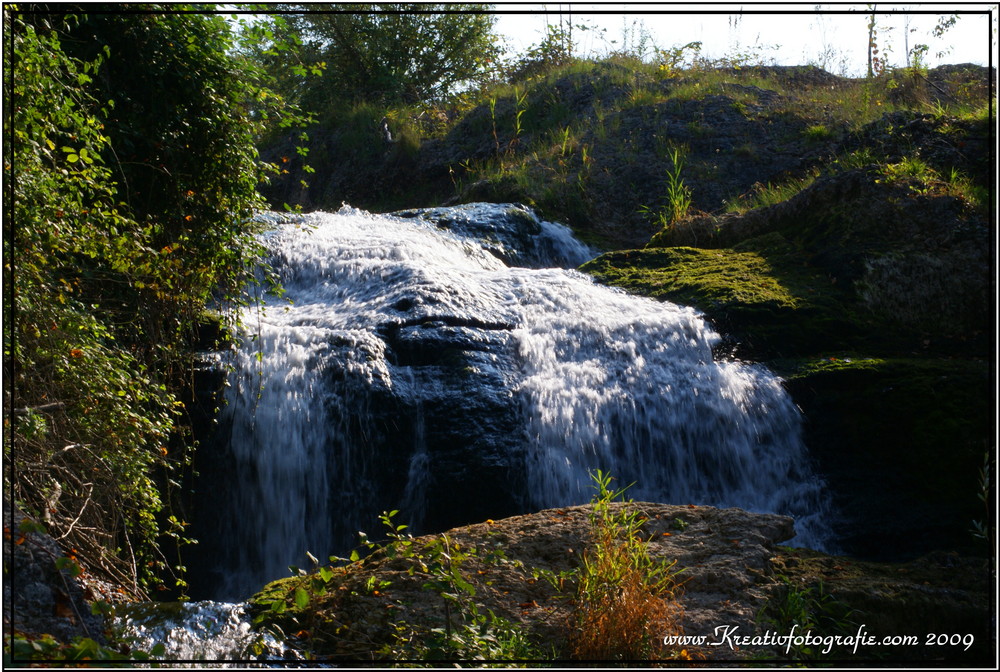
pixel 626 601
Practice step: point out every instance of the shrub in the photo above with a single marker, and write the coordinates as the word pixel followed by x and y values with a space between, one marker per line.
pixel 626 600
pixel 123 218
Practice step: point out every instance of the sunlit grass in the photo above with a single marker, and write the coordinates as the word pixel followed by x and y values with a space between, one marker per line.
pixel 765 195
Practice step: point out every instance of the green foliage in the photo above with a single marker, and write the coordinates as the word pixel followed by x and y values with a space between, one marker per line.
pixel 553 51
pixel 387 56
pixel 132 175
pixel 766 195
pixel 982 528
pixel 818 133
pixel 808 609
pixel 672 60
pixel 678 194
pixel 19 649
pixel 467 632
pixel 910 167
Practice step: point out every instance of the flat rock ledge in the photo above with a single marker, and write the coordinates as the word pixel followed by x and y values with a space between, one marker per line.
pixel 724 558
pixel 736 579
pixel 723 555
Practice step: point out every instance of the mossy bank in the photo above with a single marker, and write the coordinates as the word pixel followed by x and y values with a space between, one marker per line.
pixel 872 293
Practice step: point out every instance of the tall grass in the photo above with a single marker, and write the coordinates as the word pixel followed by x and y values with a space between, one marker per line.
pixel 626 599
pixel 765 195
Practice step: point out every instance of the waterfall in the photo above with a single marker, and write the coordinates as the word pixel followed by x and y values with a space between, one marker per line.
pixel 431 362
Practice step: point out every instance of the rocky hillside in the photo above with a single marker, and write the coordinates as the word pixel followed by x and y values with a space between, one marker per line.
pixel 591 144
pixel 871 289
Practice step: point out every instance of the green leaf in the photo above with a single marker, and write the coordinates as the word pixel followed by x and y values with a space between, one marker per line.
pixel 301 598
pixel 464 585
pixel 354 556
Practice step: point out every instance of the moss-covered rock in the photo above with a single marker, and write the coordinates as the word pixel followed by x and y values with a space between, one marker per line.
pixel 941 600
pixel 900 442
pixel 761 294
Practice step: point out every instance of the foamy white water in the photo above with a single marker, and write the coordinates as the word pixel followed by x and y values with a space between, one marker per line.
pixel 205 632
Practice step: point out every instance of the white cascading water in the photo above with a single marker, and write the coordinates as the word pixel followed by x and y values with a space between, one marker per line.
pixel 629 386
pixel 199 632
pixel 606 381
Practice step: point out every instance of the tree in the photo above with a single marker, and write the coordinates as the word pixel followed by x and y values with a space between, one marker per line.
pixel 131 176
pixel 387 53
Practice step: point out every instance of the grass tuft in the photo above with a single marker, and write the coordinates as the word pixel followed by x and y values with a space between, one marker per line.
pixel 626 600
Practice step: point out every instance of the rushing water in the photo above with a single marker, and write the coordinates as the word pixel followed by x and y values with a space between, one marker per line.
pixel 199 632
pixel 338 405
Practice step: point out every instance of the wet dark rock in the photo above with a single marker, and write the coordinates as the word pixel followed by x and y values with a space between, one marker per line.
pixel 509 232
pixel 900 443
pixel 39 597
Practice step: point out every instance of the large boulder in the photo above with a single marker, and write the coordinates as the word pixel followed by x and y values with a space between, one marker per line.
pixel 43 592
pixel 740 591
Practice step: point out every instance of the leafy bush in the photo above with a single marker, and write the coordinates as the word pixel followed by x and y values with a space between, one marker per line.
pixel 130 151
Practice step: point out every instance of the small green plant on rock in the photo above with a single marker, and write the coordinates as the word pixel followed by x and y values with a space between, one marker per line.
pixel 818 133
pixel 806 609
pixel 982 529
pixel 765 195
pixel 626 599
pixel 467 632
pixel 678 195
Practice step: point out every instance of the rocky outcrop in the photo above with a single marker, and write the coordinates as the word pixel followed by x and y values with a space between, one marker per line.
pixel 735 579
pixel 910 255
pixel 737 127
pixel 722 555
pixel 941 601
pixel 901 443
pixel 42 591
pixel 870 291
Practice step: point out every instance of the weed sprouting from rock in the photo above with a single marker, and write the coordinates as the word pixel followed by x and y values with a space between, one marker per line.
pixel 626 599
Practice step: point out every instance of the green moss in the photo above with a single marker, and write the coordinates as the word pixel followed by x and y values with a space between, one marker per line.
pixel 273 592
pixel 761 293
pixel 706 277
pixel 931 419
